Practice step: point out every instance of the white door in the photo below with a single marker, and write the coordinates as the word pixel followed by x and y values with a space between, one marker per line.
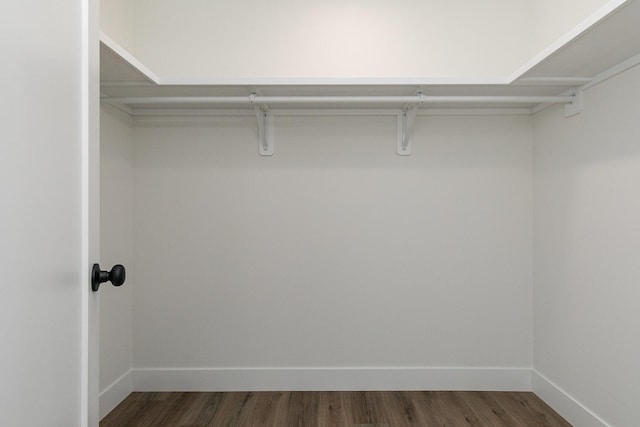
pixel 48 214
pixel 89 415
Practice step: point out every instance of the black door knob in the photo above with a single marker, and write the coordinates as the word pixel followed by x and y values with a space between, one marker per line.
pixel 116 276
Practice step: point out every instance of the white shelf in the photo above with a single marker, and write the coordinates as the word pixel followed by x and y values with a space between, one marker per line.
pixel 607 38
pixel 120 68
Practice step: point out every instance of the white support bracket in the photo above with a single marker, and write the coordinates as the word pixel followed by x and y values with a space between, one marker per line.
pixel 265 128
pixel 405 122
pixel 576 105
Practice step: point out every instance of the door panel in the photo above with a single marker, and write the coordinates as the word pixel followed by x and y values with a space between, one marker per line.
pixel 44 244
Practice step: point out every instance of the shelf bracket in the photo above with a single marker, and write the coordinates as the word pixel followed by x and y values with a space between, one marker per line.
pixel 265 127
pixel 406 119
pixel 576 106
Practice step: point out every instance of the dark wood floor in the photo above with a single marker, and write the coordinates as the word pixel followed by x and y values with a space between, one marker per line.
pixel 306 409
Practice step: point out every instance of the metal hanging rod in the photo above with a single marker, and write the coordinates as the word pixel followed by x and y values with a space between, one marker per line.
pixel 405 116
pixel 300 100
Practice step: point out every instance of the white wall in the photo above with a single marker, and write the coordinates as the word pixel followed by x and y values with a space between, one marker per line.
pixel 553 18
pixel 116 20
pixel 40 228
pixel 116 232
pixel 335 252
pixel 586 251
pixel 362 38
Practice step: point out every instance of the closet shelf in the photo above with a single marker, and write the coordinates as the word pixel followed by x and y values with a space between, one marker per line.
pixel 605 44
pixel 607 38
pixel 119 68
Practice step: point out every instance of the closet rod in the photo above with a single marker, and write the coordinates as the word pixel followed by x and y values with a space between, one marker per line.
pixel 271 100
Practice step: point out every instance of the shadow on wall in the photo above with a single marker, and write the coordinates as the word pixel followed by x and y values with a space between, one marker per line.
pixel 334 142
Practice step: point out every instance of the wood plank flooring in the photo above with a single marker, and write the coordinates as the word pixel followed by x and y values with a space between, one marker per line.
pixel 325 409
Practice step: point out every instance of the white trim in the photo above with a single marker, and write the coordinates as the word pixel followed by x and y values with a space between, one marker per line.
pixel 334 81
pixel 141 113
pixel 551 81
pixel 474 112
pixel 612 72
pixel 84 196
pixel 116 83
pixel 331 379
pixel 568 37
pixel 563 403
pixel 89 175
pixel 115 393
pixel 121 107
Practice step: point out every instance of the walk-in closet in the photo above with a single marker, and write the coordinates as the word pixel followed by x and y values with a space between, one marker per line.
pixel 373 196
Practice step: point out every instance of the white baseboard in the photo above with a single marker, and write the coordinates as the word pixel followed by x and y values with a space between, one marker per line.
pixel 564 404
pixel 331 379
pixel 111 396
